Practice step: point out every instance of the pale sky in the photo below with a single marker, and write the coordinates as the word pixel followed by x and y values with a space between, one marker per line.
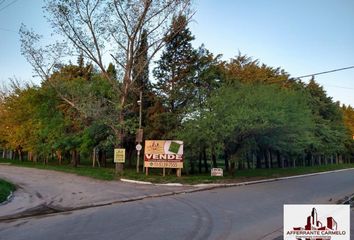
pixel 302 36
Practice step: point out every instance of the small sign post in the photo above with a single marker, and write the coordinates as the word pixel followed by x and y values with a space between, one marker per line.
pixel 138 148
pixel 119 159
pixel 217 172
pixel 119 155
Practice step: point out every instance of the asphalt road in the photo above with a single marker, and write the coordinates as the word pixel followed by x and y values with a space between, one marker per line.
pixel 248 212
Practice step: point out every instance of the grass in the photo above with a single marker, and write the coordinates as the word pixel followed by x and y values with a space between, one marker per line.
pixel 5 189
pixel 239 176
pixel 155 175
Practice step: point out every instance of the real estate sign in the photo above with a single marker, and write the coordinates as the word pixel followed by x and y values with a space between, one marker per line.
pixel 119 155
pixel 163 154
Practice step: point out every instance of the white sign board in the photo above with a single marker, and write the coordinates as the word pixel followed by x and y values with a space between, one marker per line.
pixel 217 172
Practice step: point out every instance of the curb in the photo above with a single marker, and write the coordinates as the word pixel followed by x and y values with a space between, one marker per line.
pixel 221 185
pixel 51 209
pixel 348 200
pixel 135 181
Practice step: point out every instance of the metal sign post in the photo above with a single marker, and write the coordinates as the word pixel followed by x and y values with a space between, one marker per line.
pixel 138 148
pixel 139 134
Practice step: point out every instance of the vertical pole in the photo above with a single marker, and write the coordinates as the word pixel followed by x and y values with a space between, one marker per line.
pixel 140 108
pixel 138 162
pixel 140 111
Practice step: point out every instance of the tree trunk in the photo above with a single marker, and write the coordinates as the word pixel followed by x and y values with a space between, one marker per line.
pixel 282 161
pixel 226 159
pixel 269 158
pixel 206 168
pixel 192 170
pixel 200 162
pixel 104 159
pixel 29 156
pixel 249 160
pixel 259 161
pixel 213 157
pixel 94 159
pixel 74 158
pixel 78 157
pixel 254 160
pixel 264 159
pixel 59 156
pixel 20 157
pixel 232 168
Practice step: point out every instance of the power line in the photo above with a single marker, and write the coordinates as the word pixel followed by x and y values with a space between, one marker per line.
pixel 8 5
pixel 330 71
pixel 348 88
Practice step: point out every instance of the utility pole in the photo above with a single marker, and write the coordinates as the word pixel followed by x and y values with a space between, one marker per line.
pixel 139 136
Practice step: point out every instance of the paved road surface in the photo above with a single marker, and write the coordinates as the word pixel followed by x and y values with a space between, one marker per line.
pixel 249 212
pixel 58 190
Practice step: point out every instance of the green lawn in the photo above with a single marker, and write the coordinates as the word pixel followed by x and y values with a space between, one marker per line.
pixel 155 175
pixel 239 176
pixel 5 189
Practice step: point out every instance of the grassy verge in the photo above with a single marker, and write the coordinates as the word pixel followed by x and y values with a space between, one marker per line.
pixel 239 176
pixel 5 189
pixel 155 175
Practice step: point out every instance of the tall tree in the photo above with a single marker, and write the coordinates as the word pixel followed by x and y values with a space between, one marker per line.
pixel 243 68
pixel 175 72
pixel 95 28
pixel 330 131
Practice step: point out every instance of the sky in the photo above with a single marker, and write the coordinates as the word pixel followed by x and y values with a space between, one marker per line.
pixel 302 37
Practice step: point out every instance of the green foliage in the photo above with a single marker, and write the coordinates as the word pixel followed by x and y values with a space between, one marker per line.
pixel 175 75
pixel 239 115
pixel 330 131
pixel 246 70
pixel 5 189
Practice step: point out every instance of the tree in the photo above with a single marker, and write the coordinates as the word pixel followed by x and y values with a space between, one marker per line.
pixel 175 74
pixel 348 118
pixel 247 70
pixel 96 27
pixel 330 131
pixel 240 114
